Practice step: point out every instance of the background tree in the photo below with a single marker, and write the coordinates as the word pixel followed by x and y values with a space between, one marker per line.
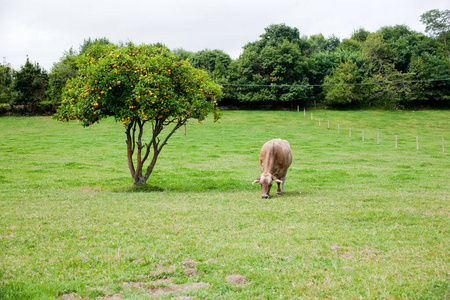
pixel 343 87
pixel 319 43
pixel 273 68
pixel 438 23
pixel 215 62
pixel 91 42
pixel 29 85
pixel 385 84
pixel 360 35
pixel 5 84
pixel 61 71
pixel 428 67
pixel 181 53
pixel 139 85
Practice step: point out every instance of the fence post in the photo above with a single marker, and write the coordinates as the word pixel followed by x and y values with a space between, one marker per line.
pixel 328 124
pixel 417 143
pixel 349 132
pixel 363 135
pixel 338 128
pixel 319 121
pixel 304 111
pixel 395 141
pixel 311 117
pixel 378 138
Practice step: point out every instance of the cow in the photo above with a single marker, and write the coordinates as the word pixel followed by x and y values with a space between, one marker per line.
pixel 275 159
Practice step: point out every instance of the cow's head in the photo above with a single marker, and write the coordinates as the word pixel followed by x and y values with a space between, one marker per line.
pixel 266 180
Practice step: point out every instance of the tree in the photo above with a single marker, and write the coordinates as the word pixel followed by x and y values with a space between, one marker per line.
pixel 90 42
pixel 319 43
pixel 183 54
pixel 342 87
pixel 272 68
pixel 438 23
pixel 5 84
pixel 215 62
pixel 385 84
pixel 29 85
pixel 139 85
pixel 360 35
pixel 434 67
pixel 61 71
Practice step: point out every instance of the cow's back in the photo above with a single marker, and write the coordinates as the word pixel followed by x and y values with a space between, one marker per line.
pixel 276 157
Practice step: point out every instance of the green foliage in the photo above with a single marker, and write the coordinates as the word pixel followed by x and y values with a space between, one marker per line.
pixel 270 63
pixel 386 85
pixel 319 43
pixel 29 85
pixel 5 84
pixel 344 85
pixel 215 62
pixel 137 85
pixel 350 45
pixel 91 42
pixel 146 83
pixel 426 67
pixel 322 64
pixel 63 70
pixel 181 53
pixel 360 35
pixel 438 23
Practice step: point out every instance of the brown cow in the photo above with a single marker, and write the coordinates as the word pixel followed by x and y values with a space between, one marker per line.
pixel 275 159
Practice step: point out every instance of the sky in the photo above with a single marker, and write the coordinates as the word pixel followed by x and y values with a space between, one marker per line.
pixel 44 29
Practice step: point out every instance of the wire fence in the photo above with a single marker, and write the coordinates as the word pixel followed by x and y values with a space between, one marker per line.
pixel 394 139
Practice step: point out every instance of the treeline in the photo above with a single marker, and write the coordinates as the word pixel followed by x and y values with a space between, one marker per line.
pixel 393 68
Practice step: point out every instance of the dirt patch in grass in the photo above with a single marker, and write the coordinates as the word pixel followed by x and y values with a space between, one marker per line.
pixel 165 286
pixel 236 279
pixel 190 263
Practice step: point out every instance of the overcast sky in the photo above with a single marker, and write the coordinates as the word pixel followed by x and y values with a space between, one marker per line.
pixel 44 29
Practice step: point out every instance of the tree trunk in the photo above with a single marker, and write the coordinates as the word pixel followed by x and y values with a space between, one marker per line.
pixel 153 148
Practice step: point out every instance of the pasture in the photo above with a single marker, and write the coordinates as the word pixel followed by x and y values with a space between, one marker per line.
pixel 358 219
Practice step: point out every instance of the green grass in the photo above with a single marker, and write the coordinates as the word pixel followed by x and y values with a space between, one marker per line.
pixel 358 219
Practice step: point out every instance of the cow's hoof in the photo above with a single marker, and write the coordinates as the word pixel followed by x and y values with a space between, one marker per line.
pixel 279 193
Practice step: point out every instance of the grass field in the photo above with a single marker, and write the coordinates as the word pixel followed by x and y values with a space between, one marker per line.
pixel 358 219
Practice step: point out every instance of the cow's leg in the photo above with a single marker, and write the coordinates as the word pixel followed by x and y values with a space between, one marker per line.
pixel 280 188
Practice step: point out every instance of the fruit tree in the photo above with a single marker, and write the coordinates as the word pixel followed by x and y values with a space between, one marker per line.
pixel 139 85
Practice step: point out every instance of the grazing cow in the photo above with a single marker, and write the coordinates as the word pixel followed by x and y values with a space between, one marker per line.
pixel 275 159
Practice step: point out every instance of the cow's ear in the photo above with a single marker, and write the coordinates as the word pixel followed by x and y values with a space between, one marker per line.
pixel 256 180
pixel 276 179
